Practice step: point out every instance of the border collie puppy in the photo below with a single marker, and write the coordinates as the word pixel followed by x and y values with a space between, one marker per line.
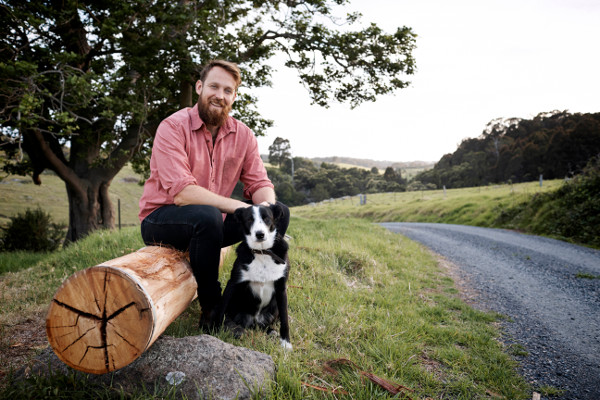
pixel 255 295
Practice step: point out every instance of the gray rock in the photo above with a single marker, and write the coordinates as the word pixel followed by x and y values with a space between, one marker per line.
pixel 201 367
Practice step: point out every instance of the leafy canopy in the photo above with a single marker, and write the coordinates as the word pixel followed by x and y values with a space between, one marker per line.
pixel 85 83
pixel 94 71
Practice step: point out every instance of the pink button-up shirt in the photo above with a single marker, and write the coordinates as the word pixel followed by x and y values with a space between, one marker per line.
pixel 183 154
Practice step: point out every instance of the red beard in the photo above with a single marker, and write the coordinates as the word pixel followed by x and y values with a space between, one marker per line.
pixel 211 116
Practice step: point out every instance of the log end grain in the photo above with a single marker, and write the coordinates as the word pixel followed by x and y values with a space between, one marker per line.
pixel 100 320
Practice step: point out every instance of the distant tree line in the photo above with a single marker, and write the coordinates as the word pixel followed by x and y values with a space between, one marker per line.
pixel 312 183
pixel 555 144
pixel 299 180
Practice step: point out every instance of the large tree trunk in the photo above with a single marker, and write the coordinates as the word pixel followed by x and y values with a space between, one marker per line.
pixel 90 208
pixel 104 317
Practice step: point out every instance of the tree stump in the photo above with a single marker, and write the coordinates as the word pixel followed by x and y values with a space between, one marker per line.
pixel 104 317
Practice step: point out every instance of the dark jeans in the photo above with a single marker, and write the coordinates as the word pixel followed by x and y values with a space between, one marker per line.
pixel 201 230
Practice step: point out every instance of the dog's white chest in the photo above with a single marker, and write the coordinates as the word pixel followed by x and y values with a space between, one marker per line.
pixel 263 290
pixel 263 269
pixel 261 274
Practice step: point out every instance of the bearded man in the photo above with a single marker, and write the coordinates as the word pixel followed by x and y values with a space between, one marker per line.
pixel 198 156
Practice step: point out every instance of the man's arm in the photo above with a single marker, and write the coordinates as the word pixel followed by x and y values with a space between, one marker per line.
pixel 193 194
pixel 264 195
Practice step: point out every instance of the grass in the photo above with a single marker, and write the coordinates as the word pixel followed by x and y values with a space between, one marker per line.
pixel 14 261
pixel 18 193
pixel 525 207
pixel 356 292
pixel 472 206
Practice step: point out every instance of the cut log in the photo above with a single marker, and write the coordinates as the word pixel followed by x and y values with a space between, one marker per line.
pixel 104 317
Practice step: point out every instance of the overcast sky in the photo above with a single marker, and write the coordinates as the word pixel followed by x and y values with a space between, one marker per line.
pixel 476 60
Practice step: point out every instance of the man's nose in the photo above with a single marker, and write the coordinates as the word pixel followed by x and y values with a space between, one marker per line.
pixel 220 94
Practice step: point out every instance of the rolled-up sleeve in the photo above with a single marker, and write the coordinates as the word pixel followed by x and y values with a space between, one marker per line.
pixel 254 175
pixel 170 158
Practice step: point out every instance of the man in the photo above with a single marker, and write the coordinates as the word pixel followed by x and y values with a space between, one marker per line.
pixel 198 156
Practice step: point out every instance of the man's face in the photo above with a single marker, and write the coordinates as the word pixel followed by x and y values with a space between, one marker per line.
pixel 217 94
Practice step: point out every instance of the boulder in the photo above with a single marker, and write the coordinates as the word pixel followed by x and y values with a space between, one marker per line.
pixel 200 367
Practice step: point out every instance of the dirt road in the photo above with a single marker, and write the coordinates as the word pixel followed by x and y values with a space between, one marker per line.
pixel 549 289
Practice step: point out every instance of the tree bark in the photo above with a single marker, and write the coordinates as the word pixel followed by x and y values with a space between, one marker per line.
pixel 104 317
pixel 90 208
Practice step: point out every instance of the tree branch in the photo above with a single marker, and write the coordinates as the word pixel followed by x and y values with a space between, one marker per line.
pixel 56 164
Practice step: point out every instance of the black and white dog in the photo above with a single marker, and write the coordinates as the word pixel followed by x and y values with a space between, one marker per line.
pixel 256 293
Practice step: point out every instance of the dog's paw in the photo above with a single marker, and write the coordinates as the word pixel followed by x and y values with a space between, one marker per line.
pixel 236 330
pixel 287 346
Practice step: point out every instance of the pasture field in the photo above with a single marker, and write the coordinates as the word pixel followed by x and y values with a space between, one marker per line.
pixel 18 193
pixel 479 206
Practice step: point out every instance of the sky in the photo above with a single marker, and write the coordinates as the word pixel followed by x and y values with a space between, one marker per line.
pixel 477 60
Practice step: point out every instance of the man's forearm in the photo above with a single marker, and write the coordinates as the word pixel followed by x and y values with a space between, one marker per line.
pixel 194 194
pixel 264 195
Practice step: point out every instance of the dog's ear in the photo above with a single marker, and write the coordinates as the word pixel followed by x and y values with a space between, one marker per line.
pixel 276 210
pixel 238 214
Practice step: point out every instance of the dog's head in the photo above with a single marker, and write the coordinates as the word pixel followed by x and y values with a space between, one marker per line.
pixel 258 223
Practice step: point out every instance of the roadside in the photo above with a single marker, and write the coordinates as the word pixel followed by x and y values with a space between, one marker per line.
pixel 549 291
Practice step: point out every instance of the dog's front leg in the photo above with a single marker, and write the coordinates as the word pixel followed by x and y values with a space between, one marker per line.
pixel 282 307
pixel 227 293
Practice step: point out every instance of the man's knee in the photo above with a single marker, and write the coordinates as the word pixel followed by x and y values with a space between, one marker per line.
pixel 205 220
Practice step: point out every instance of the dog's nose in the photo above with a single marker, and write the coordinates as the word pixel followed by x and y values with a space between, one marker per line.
pixel 260 235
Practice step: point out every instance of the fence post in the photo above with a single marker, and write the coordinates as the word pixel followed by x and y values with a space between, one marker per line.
pixel 119 212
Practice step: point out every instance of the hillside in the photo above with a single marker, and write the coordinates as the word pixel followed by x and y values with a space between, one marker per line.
pixel 367 163
pixel 408 168
pixel 555 145
pixel 18 193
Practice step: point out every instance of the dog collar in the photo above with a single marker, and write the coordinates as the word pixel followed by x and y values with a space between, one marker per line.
pixel 270 253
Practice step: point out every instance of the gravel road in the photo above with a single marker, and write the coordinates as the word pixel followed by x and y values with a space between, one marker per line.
pixel 549 289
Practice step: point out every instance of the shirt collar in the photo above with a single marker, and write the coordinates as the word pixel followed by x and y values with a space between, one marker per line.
pixel 229 127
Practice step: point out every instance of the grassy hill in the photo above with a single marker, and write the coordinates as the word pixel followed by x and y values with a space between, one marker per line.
pixel 409 169
pixel 17 193
pixel 471 206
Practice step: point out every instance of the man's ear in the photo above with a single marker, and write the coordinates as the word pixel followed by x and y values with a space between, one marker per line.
pixel 198 86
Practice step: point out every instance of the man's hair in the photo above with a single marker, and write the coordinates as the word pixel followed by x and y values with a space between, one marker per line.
pixel 228 66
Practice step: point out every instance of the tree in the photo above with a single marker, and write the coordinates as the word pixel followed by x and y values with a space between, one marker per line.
pixel 555 144
pixel 84 84
pixel 279 151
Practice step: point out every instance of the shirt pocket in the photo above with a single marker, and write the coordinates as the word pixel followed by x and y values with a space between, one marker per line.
pixel 232 169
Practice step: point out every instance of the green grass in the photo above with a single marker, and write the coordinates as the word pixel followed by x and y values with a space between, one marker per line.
pixel 525 207
pixel 472 206
pixel 17 260
pixel 356 291
pixel 18 193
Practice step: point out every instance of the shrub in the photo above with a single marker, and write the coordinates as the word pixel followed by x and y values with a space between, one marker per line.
pixel 32 231
pixel 571 212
